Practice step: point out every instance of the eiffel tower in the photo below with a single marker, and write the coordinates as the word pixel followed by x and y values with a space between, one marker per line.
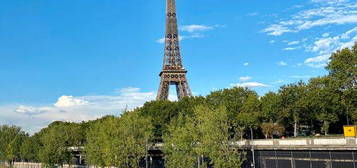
pixel 173 72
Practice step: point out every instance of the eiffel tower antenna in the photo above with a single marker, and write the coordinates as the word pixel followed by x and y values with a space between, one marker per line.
pixel 173 72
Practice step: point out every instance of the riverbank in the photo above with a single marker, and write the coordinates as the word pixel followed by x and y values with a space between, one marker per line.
pixel 34 165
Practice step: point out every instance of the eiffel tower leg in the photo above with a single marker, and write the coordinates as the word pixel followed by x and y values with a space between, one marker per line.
pixel 187 89
pixel 180 91
pixel 163 92
pixel 183 90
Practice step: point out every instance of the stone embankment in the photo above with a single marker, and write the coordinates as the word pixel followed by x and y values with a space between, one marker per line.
pixel 35 165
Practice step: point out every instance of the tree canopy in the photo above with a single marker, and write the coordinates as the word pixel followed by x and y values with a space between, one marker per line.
pixel 198 130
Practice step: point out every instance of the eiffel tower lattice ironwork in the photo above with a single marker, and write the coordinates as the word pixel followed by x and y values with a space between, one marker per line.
pixel 173 72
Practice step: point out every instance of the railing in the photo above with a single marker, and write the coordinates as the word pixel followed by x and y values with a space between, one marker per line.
pixel 302 144
pixel 40 165
pixel 333 143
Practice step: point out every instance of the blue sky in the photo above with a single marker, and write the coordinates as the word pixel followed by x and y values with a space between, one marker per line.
pixel 80 60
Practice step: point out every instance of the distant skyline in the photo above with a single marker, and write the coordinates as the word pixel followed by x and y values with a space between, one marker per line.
pixel 80 60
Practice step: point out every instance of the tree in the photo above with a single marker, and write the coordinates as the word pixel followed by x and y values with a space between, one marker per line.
pixel 14 147
pixel 98 140
pixel 205 135
pixel 30 149
pixel 180 143
pixel 324 101
pixel 119 142
pixel 161 113
pixel 216 139
pixel 233 99
pixel 242 105
pixel 55 146
pixel 250 113
pixel 294 104
pixel 134 135
pixel 9 140
pixel 187 105
pixel 271 110
pixel 343 71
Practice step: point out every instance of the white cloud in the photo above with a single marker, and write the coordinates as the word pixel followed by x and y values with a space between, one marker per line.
pixel 195 28
pixel 199 28
pixel 327 12
pixel 193 31
pixel 325 34
pixel 321 58
pixel 326 45
pixel 249 85
pixel 327 21
pixel 276 30
pixel 328 1
pixel 282 63
pixel 321 13
pixel 28 110
pixel 272 41
pixel 246 64
pixel 347 35
pixel 70 101
pixel 74 109
pixel 245 78
pixel 289 48
pixel 173 97
pixel 317 62
pixel 293 42
pixel 161 40
pixel 184 37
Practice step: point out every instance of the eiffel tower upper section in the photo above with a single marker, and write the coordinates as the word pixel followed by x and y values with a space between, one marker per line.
pixel 172 59
pixel 173 72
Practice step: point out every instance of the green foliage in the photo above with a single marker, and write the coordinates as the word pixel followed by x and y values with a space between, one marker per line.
pixel 343 68
pixel 97 140
pixel 11 138
pixel 215 138
pixel 13 148
pixel 249 113
pixel 180 142
pixel 163 112
pixel 343 73
pixel 197 128
pixel 233 99
pixel 324 101
pixel 242 105
pixel 294 105
pixel 271 110
pixel 206 134
pixel 30 149
pixel 120 141
pixel 55 146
